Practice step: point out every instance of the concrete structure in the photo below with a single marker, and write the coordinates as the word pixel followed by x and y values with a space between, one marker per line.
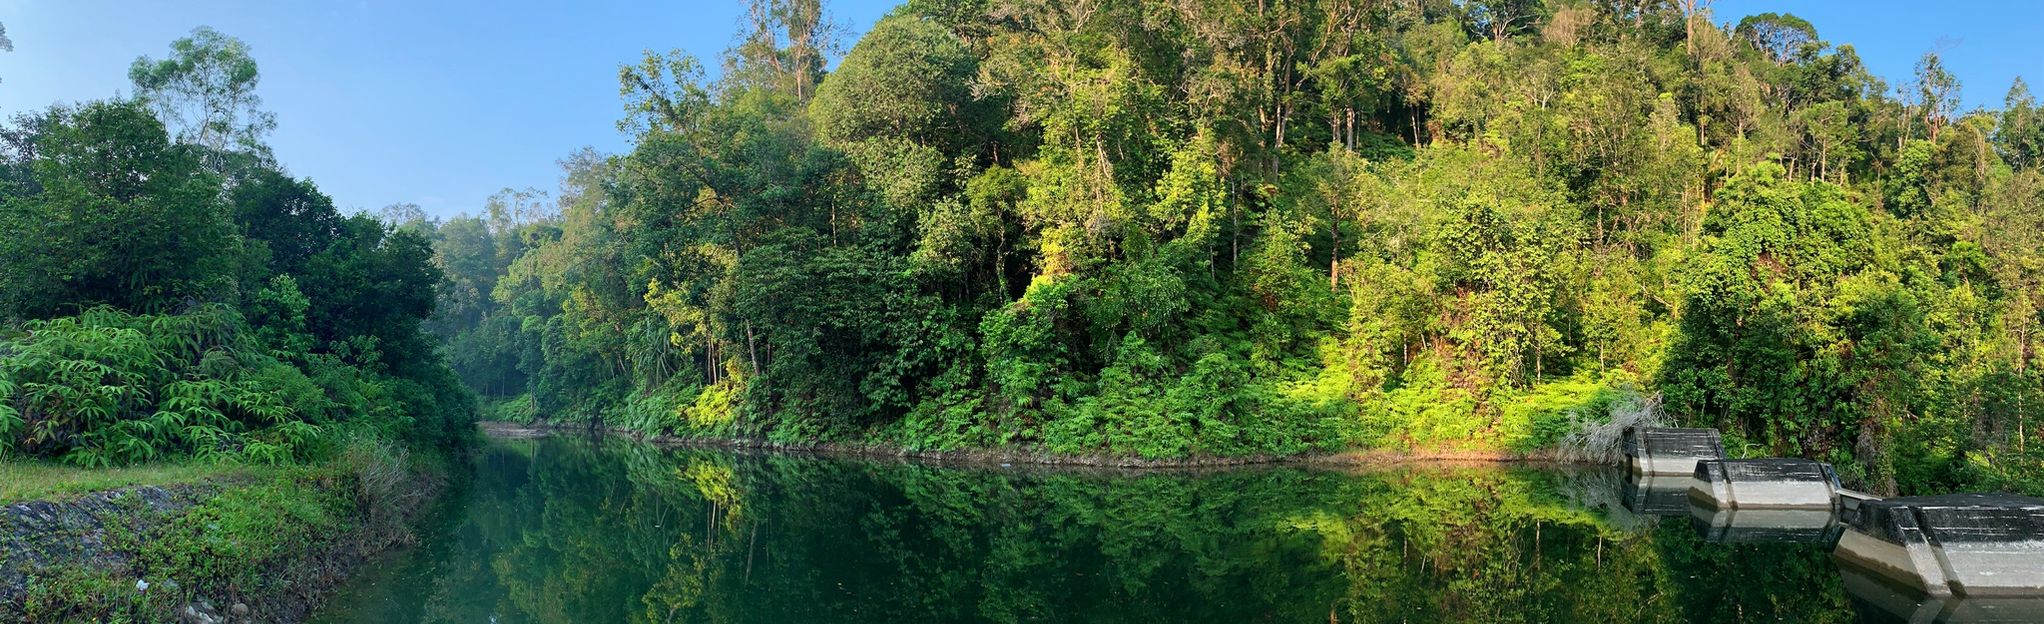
pixel 1973 545
pixel 1849 502
pixel 1670 451
pixel 1765 484
pixel 1657 495
pixel 1748 526
pixel 1880 600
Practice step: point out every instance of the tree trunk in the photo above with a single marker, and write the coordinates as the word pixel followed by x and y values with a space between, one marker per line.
pixel 1334 262
pixel 752 348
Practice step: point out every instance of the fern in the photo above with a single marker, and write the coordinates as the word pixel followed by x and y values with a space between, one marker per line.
pixel 106 387
pixel 10 425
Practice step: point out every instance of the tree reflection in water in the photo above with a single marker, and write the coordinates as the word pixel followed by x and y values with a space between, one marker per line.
pixel 566 530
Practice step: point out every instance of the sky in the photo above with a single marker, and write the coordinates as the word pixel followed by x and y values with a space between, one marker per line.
pixel 443 102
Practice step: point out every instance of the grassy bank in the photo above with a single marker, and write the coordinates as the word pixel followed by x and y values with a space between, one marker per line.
pixel 22 480
pixel 254 543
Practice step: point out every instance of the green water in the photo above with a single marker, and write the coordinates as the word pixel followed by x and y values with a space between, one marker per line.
pixel 569 530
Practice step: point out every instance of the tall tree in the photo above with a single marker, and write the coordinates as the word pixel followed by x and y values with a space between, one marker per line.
pixel 786 44
pixel 2020 135
pixel 205 92
pixel 1781 36
pixel 1937 93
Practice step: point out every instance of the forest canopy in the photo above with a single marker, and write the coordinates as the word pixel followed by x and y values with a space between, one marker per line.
pixel 1223 228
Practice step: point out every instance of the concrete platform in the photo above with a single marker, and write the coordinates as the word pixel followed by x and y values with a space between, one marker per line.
pixel 1670 451
pixel 1956 545
pixel 1765 484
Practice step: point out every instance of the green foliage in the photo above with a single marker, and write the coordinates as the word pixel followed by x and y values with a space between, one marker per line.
pixel 234 540
pixel 206 91
pixel 1543 415
pixel 908 79
pixel 156 312
pixel 109 388
pixel 1164 231
pixel 123 217
pixel 685 536
pixel 262 535
pixel 518 409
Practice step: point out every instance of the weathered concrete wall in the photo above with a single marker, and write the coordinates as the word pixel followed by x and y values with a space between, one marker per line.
pixel 1963 544
pixel 1657 495
pixel 1879 599
pixel 1765 484
pixel 1746 526
pixel 1670 451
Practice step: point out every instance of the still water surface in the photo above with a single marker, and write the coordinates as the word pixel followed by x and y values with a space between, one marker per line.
pixel 573 530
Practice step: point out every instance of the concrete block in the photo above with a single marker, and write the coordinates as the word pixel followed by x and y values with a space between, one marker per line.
pixel 1876 598
pixel 1776 526
pixel 1669 451
pixel 1765 484
pixel 1953 545
pixel 1657 495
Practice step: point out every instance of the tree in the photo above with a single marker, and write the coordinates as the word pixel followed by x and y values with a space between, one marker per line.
pixel 122 217
pixel 1340 183
pixel 205 92
pixel 1498 19
pixel 1003 222
pixel 906 79
pixel 901 107
pixel 407 215
pixel 1783 37
pixel 1830 126
pixel 6 45
pixel 1793 333
pixel 370 288
pixel 1937 93
pixel 290 219
pixel 2020 136
pixel 18 147
pixel 187 297
pixel 785 45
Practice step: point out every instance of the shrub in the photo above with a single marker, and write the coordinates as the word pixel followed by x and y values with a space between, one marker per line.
pixel 106 387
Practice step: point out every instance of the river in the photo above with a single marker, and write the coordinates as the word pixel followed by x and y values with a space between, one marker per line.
pixel 565 529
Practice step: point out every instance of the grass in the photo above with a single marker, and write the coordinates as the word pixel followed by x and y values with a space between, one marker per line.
pixel 22 480
pixel 260 539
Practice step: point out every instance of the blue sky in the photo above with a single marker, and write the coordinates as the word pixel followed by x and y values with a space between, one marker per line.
pixel 441 103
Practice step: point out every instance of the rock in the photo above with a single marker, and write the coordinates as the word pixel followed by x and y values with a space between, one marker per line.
pixel 192 614
pixel 239 610
pixel 38 534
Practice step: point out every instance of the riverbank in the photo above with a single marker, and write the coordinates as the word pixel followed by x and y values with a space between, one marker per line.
pixel 254 544
pixel 1344 458
pixel 45 482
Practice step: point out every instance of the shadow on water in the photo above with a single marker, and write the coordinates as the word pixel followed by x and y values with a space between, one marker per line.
pixel 568 530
